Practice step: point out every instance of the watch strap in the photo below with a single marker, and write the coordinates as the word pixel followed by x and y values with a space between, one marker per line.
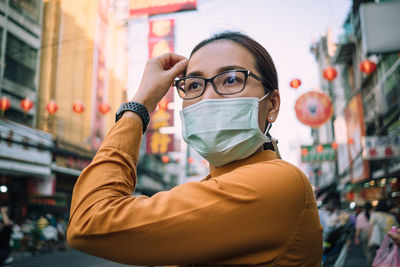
pixel 138 109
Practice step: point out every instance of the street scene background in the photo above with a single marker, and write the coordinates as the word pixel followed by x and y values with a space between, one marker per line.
pixel 67 65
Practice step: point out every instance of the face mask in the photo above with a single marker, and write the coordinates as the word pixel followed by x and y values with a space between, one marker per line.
pixel 223 130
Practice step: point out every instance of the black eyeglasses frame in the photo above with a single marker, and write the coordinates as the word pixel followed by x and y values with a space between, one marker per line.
pixel 247 73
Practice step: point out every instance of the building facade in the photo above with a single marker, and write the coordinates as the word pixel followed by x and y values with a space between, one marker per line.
pixel 83 72
pixel 366 99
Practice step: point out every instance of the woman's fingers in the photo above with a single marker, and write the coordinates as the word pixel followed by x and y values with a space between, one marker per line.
pixel 157 78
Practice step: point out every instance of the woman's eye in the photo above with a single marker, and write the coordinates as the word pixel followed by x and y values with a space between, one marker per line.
pixel 193 86
pixel 232 80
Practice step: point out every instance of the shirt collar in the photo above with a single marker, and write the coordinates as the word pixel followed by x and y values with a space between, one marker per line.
pixel 258 157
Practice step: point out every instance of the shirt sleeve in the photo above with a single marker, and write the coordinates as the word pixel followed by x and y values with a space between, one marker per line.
pixel 255 207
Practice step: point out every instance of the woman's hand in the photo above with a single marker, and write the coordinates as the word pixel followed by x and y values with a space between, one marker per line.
pixel 395 235
pixel 158 77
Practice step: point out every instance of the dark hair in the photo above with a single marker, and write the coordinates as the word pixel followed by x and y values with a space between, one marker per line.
pixel 382 206
pixel 263 61
pixel 367 208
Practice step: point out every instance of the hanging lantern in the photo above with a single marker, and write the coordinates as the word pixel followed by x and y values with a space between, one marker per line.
pixel 295 83
pixel 350 141
pixel 367 66
pixel 330 73
pixel 163 104
pixel 104 108
pixel 304 152
pixel 320 149
pixel 51 107
pixel 78 107
pixel 334 145
pixel 204 162
pixel 165 159
pixel 26 104
pixel 190 160
pixel 4 104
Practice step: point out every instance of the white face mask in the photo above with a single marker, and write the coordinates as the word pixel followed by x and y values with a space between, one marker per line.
pixel 223 130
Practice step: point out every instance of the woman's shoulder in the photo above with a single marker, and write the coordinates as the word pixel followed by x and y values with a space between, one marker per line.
pixel 277 175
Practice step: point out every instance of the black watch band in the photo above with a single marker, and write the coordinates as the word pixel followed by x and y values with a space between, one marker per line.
pixel 138 109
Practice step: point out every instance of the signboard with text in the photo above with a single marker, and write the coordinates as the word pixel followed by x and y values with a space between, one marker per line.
pixel 161 40
pixel 380 147
pixel 317 153
pixel 313 109
pixel 152 7
pixel 354 115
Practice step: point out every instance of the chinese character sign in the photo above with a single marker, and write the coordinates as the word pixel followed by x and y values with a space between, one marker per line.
pixel 380 147
pixel 161 41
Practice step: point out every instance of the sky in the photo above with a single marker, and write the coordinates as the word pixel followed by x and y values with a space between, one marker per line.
pixel 286 28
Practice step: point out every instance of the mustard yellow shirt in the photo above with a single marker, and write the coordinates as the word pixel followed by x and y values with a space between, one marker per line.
pixel 256 211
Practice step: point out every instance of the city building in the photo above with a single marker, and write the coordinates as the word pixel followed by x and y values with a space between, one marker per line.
pixel 25 152
pixel 82 81
pixel 366 99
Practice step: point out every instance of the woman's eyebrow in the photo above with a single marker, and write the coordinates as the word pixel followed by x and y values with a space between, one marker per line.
pixel 219 70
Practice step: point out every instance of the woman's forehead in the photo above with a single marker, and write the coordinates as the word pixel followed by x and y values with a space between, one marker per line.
pixel 218 54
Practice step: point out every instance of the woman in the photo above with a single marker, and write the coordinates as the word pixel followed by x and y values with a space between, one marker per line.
pixel 363 228
pixel 381 222
pixel 253 208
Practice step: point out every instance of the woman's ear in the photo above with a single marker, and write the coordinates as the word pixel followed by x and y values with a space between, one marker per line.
pixel 275 102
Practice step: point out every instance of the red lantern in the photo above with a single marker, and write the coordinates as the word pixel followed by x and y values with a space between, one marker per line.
pixel 350 141
pixel 4 104
pixel 304 152
pixel 163 104
pixel 367 66
pixel 52 107
pixel 190 160
pixel 78 107
pixel 165 159
pixel 295 83
pixel 104 108
pixel 330 73
pixel 334 145
pixel 320 148
pixel 26 104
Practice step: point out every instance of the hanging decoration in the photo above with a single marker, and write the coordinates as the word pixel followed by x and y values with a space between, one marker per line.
pixel 104 108
pixel 313 109
pixel 330 74
pixel 26 105
pixel 295 83
pixel 78 107
pixel 320 149
pixel 190 160
pixel 367 66
pixel 334 145
pixel 52 107
pixel 165 159
pixel 4 104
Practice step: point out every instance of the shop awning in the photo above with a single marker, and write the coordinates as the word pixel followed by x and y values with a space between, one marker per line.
pixel 22 168
pixel 64 170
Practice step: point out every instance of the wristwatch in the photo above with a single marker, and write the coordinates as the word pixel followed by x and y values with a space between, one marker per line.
pixel 138 109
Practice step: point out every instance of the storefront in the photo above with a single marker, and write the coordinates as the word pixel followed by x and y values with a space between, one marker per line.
pixel 25 167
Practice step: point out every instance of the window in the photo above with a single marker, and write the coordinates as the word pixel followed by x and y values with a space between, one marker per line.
pixel 29 8
pixel 20 62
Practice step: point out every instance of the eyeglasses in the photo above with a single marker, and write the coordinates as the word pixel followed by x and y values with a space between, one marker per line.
pixel 225 83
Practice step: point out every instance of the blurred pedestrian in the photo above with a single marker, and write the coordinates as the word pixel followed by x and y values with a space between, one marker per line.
pixel 381 222
pixel 5 235
pixel 253 208
pixel 363 229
